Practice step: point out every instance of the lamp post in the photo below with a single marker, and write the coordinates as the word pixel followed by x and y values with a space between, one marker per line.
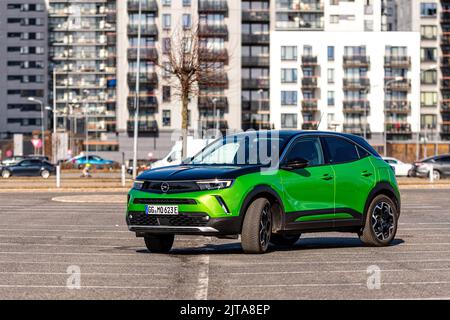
pixel 214 101
pixel 136 98
pixel 261 93
pixel 86 110
pixel 42 121
pixel 388 83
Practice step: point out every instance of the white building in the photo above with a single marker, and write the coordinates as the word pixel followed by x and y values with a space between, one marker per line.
pixel 326 80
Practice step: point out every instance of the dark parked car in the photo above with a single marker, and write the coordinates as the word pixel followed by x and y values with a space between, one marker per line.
pixel 440 165
pixel 29 168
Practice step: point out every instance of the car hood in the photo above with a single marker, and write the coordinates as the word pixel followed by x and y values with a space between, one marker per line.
pixel 190 172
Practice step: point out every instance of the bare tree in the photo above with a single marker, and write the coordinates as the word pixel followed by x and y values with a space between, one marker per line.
pixel 191 64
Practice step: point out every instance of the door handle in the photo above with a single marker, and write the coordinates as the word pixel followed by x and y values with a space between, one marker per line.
pixel 327 177
pixel 367 174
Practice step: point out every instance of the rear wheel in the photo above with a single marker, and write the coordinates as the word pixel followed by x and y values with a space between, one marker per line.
pixel 6 174
pixel 381 222
pixel 284 239
pixel 45 174
pixel 257 227
pixel 436 175
pixel 159 243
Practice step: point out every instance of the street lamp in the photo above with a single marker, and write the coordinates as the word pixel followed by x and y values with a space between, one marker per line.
pixel 86 110
pixel 214 101
pixel 136 98
pixel 388 83
pixel 42 121
pixel 261 93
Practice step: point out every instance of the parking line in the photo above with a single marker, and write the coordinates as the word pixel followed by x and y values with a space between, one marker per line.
pixel 203 279
pixel 229 264
pixel 82 287
pixel 256 286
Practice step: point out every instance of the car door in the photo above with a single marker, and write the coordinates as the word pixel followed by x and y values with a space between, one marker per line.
pixel 355 177
pixel 445 162
pixel 22 168
pixel 34 168
pixel 309 192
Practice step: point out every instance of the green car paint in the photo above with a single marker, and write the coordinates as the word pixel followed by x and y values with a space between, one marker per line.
pixel 316 194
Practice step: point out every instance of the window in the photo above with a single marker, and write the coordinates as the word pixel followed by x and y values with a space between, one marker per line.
pixel 288 98
pixel 289 121
pixel 429 77
pixel 166 94
pixel 308 149
pixel 428 54
pixel 330 76
pixel 187 21
pixel 167 21
pixel 428 10
pixel 340 150
pixel 330 99
pixel 428 32
pixel 428 99
pixel 289 75
pixel 186 3
pixel 330 53
pixel 289 53
pixel 428 122
pixel 166 118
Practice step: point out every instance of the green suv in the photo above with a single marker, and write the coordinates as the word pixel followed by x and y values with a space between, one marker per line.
pixel 269 187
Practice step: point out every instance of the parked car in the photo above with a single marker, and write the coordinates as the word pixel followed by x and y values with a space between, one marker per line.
pixel 80 161
pixel 29 168
pixel 12 160
pixel 318 182
pixel 440 165
pixel 401 169
pixel 37 156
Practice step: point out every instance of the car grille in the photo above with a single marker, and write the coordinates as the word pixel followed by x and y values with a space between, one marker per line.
pixel 165 201
pixel 182 220
pixel 174 186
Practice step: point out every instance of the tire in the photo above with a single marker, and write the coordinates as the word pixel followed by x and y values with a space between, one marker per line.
pixel 257 227
pixel 284 240
pixel 45 174
pixel 6 174
pixel 436 175
pixel 381 222
pixel 159 243
pixel 410 173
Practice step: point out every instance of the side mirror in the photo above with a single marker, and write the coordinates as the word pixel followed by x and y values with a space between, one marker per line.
pixel 295 164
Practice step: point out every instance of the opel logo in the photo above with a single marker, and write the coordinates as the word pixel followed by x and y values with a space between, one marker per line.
pixel 165 187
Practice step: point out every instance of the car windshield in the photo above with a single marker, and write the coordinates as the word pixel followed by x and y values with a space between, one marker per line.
pixel 243 149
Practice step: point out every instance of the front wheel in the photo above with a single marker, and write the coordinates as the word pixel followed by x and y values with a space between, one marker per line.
pixel 45 174
pixel 284 239
pixel 6 174
pixel 159 243
pixel 257 227
pixel 381 222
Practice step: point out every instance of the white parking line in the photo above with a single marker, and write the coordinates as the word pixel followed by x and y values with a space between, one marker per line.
pixel 71 230
pixel 94 238
pixel 88 274
pixel 82 287
pixel 201 292
pixel 256 286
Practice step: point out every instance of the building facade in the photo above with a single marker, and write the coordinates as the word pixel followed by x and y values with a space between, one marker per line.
pixel 23 65
pixel 82 54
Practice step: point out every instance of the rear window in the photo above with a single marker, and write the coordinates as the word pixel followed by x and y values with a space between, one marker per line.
pixel 340 150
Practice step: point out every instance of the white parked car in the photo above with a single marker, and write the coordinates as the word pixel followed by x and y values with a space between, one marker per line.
pixel 401 169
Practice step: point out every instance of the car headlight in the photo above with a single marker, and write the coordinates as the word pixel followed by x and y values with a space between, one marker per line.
pixel 138 185
pixel 214 184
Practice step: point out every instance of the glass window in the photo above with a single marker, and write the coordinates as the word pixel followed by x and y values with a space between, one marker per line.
pixel 289 121
pixel 308 149
pixel 340 150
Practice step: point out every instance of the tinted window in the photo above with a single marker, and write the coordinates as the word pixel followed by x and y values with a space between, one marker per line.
pixel 308 149
pixel 340 150
pixel 25 163
pixel 363 153
pixel 445 159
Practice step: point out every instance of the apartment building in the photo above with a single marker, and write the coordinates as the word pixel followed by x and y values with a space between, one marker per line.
pixel 218 104
pixel 356 79
pixel 347 82
pixel 432 19
pixel 82 53
pixel 23 65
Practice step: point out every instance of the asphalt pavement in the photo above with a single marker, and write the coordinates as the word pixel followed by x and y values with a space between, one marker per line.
pixel 68 250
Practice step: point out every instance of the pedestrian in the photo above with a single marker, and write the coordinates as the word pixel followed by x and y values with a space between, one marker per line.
pixel 87 171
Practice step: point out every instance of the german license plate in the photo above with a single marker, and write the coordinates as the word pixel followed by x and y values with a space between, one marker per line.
pixel 161 210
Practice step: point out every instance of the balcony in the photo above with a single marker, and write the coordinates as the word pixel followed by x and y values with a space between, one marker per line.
pixel 213 31
pixel 145 102
pixel 403 62
pixel 261 61
pixel 309 61
pixel 401 86
pixel 145 78
pixel 261 38
pixel 445 131
pixel 356 62
pixel 147 6
pixel 214 55
pixel 146 30
pixel 356 128
pixel 356 106
pixel 309 83
pixel 206 102
pixel 256 16
pixel 213 6
pixel 215 79
pixel 445 108
pixel 310 105
pixel 357 84
pixel 144 126
pixel 256 105
pixel 310 125
pixel 445 17
pixel 397 106
pixel 150 54
pixel 395 128
pixel 256 83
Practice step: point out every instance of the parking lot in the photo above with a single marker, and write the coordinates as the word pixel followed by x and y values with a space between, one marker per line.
pixel 41 239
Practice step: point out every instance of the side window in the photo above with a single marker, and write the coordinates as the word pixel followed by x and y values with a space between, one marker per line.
pixel 340 150
pixel 363 154
pixel 445 159
pixel 308 149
